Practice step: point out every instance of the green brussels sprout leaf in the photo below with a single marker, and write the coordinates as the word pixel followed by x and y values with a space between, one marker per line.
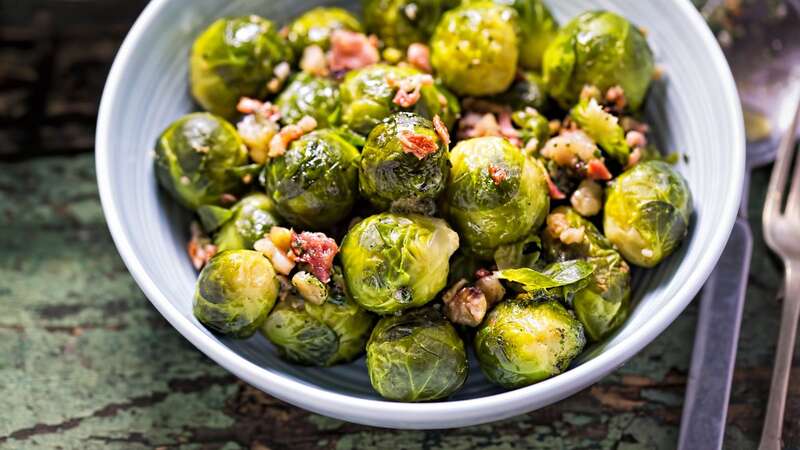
pixel 212 217
pixel 555 275
pixel 603 128
pixel 524 253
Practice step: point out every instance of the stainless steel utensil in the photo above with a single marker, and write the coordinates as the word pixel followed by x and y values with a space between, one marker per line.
pixel 782 233
pixel 764 64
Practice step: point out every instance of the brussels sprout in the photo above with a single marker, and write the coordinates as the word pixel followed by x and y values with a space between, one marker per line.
pixel 604 304
pixel 536 29
pixel 235 292
pixel 195 156
pixel 474 49
pixel 393 262
pixel 528 90
pixel 647 212
pixel 603 128
pixel 307 95
pixel 322 335
pixel 252 217
pixel 233 58
pixel 314 184
pixel 601 49
pixel 400 23
pixel 523 253
pixel 367 98
pixel 495 195
pixel 522 342
pixel 316 26
pixel 534 128
pixel 391 175
pixel 416 356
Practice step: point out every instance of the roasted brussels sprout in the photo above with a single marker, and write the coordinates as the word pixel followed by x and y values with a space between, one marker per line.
pixel 416 356
pixel 524 341
pixel 323 334
pixel 316 25
pixel 474 48
pixel 600 49
pixel 307 95
pixel 367 97
pixel 536 29
pixel 495 195
pixel 604 304
pixel 400 23
pixel 392 174
pixel 195 156
pixel 647 212
pixel 527 91
pixel 233 58
pixel 394 262
pixel 315 183
pixel 235 292
pixel 251 218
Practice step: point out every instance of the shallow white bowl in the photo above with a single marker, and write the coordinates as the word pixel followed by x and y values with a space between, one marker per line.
pixel 695 112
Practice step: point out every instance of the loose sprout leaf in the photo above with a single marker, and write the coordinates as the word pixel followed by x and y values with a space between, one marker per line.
pixel 212 217
pixel 555 275
pixel 603 127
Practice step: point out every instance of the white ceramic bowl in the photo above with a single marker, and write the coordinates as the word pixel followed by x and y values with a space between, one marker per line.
pixel 695 112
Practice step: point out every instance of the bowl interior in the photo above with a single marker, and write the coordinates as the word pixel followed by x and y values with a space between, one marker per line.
pixel 693 110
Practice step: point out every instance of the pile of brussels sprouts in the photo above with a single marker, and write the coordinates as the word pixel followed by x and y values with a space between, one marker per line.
pixel 337 216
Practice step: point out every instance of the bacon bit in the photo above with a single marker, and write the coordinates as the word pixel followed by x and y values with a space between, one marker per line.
pixel 635 139
pixel 507 129
pixel 555 192
pixel 616 96
pixel 441 130
pixel 418 145
pixel 596 169
pixel 227 199
pixel 266 110
pixel 199 247
pixel 280 142
pixel 317 250
pixel 409 89
pixel 480 273
pixel 351 50
pixel 419 56
pixel 314 61
pixel 498 174
pixel 634 158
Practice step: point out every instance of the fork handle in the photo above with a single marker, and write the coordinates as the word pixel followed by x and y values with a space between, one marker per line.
pixel 773 422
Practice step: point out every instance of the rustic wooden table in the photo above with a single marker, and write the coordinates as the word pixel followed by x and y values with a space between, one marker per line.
pixel 86 362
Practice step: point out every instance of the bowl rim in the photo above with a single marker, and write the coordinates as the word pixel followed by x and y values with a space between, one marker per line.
pixel 432 415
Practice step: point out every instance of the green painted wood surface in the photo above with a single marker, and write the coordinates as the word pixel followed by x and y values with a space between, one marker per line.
pixel 86 362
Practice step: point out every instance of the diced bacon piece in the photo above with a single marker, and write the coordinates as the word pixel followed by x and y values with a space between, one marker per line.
pixel 507 129
pixel 555 192
pixel 480 273
pixel 351 50
pixel 616 96
pixel 199 247
pixel 418 145
pixel 317 251
pixel 280 142
pixel 635 139
pixel 441 130
pixel 419 56
pixel 409 89
pixel 498 174
pixel 596 170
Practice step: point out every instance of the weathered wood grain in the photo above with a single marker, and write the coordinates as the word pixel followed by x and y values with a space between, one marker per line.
pixel 86 362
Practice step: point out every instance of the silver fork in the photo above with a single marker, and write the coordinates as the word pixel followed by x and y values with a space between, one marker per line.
pixel 782 233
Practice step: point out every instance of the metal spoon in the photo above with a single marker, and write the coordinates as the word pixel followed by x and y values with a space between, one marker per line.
pixel 766 65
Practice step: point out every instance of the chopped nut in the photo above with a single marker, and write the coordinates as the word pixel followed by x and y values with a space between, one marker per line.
pixel 452 290
pixel 467 307
pixel 572 235
pixel 314 61
pixel 492 289
pixel 588 198
pixel 280 260
pixel 281 237
pixel 199 247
